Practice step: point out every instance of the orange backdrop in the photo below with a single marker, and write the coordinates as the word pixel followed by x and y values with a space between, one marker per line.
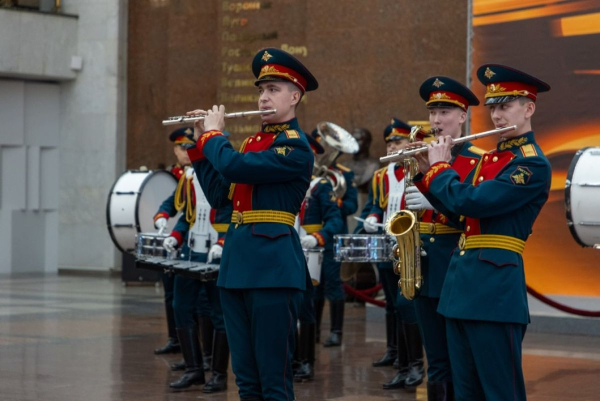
pixel 557 42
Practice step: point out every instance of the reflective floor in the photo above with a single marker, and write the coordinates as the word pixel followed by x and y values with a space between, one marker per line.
pixel 88 338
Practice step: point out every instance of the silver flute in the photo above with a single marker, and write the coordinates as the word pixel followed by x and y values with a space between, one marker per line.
pixel 404 153
pixel 191 119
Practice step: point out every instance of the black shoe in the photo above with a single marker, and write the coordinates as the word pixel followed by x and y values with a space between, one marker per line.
pixel 334 340
pixel 218 381
pixel 171 347
pixel 337 323
pixel 178 366
pixel 306 372
pixel 206 336
pixel 206 362
pixel 414 376
pixel 306 351
pixel 192 354
pixel 415 356
pixel 398 380
pixel 391 352
pixel 440 391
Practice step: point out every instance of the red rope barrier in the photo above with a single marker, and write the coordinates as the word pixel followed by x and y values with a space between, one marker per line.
pixel 364 294
pixel 560 306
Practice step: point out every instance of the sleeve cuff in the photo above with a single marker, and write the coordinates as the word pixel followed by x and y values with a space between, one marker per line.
pixel 376 216
pixel 161 215
pixel 320 239
pixel 433 172
pixel 177 236
pixel 197 154
pixel 221 241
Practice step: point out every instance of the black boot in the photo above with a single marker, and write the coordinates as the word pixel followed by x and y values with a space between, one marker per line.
pixel 220 361
pixel 178 366
pixel 337 323
pixel 307 352
pixel 192 353
pixel 415 357
pixel 297 358
pixel 391 352
pixel 400 378
pixel 319 305
pixel 440 391
pixel 172 346
pixel 207 333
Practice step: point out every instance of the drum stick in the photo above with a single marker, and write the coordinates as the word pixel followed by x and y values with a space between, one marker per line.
pixel 161 230
pixel 363 221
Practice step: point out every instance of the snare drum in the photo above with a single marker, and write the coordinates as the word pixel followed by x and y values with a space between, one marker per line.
pixel 363 248
pixel 151 245
pixel 582 197
pixel 314 261
pixel 132 203
pixel 196 270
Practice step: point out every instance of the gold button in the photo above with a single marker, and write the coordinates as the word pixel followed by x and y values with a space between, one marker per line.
pixel 258 139
pixel 495 159
pixel 485 159
pixel 238 203
pixel 480 179
pixel 431 239
pixel 462 253
pixel 472 161
pixel 468 228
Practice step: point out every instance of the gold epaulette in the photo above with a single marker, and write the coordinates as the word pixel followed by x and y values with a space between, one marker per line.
pixel 476 150
pixel 528 150
pixel 342 167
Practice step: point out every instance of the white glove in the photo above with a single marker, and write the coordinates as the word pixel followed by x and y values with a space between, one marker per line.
pixel 308 241
pixel 170 243
pixel 215 253
pixel 369 224
pixel 160 223
pixel 415 200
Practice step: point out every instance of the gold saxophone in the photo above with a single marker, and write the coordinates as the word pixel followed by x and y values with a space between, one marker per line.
pixel 404 225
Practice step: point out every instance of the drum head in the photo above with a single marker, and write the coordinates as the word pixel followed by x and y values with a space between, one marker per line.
pixel 582 197
pixel 132 203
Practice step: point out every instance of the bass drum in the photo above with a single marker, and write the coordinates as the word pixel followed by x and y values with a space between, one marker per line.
pixel 582 197
pixel 132 203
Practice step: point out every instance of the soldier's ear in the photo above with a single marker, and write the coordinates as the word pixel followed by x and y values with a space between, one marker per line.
pixel 463 117
pixel 529 109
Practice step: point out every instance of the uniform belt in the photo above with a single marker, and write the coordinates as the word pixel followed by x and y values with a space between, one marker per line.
pixel 492 241
pixel 221 227
pixel 312 228
pixel 437 228
pixel 262 216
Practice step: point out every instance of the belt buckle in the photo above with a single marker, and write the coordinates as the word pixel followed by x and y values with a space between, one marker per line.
pixel 239 219
pixel 462 241
pixel 432 228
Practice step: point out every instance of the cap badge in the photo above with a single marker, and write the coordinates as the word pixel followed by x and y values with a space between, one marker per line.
pixel 495 88
pixel 439 95
pixel 188 131
pixel 266 56
pixel 489 73
pixel 437 83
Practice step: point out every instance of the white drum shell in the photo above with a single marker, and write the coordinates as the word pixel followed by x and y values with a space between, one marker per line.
pixel 133 202
pixel 363 248
pixel 582 197
pixel 314 261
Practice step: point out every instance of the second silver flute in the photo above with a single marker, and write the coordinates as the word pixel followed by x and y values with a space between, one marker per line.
pixel 404 153
pixel 191 119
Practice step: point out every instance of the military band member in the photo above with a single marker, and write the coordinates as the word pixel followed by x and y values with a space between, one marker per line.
pixel 188 292
pixel 484 296
pixel 402 331
pixel 331 286
pixel 448 102
pixel 167 209
pixel 320 219
pixel 263 270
